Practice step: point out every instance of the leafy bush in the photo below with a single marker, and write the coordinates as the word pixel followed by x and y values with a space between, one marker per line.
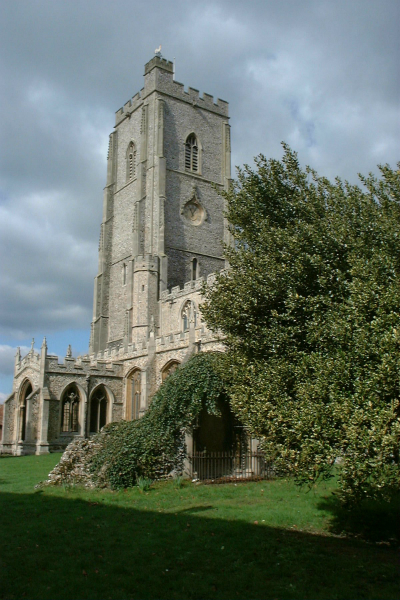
pixel 310 312
pixel 153 446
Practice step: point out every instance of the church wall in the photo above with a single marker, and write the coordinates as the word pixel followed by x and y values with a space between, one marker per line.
pixel 118 300
pixel 10 408
pixel 123 222
pixel 171 309
pixel 128 131
pixel 180 120
pixel 181 234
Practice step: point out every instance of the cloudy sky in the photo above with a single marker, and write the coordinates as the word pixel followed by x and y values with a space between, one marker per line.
pixel 323 75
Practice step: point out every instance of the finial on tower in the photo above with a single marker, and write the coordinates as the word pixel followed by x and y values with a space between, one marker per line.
pixel 69 351
pixel 157 52
pixel 32 344
pixel 44 343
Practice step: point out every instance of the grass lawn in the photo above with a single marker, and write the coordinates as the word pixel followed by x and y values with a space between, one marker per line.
pixel 257 540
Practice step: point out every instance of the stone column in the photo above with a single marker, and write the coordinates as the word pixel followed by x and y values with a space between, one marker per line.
pixel 42 447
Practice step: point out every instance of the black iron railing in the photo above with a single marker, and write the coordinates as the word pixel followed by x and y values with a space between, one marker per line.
pixel 229 466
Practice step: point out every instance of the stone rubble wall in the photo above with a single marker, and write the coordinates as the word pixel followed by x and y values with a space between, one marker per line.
pixel 73 467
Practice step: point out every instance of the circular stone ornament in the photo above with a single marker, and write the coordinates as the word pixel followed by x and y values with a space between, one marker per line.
pixel 193 212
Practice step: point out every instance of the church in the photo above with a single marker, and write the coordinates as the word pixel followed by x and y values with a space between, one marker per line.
pixel 161 237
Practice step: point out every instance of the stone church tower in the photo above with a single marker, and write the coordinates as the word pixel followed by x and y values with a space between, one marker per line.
pixel 161 237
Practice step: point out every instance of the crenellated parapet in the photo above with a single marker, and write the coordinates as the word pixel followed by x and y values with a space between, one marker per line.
pixel 129 107
pixel 84 365
pixel 159 77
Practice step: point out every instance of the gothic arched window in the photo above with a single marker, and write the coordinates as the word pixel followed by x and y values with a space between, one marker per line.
pixel 169 368
pixel 131 162
pixel 192 154
pixel 70 411
pixel 189 315
pixel 134 393
pixel 98 410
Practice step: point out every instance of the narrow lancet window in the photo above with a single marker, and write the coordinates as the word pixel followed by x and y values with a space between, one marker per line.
pixel 194 269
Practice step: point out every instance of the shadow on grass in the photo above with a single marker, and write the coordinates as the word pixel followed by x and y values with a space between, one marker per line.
pixel 58 548
pixel 372 521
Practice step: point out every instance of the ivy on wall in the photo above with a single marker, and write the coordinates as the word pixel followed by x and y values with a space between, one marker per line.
pixel 153 446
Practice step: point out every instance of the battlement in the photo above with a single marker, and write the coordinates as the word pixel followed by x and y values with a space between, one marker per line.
pixel 206 101
pixel 146 263
pixel 129 107
pixel 83 364
pixel 160 63
pixel 187 288
pixel 165 84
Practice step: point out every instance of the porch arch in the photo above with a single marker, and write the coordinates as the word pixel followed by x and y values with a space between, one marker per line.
pixel 25 390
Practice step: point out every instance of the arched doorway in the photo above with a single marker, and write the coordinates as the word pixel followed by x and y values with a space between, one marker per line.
pixel 214 433
pixel 23 413
pixel 133 394
pixel 98 409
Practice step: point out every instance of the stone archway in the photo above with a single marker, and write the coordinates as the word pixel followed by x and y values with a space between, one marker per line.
pixel 26 391
pixel 214 433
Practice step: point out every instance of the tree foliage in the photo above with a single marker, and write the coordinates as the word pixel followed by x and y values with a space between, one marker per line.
pixel 153 446
pixel 310 313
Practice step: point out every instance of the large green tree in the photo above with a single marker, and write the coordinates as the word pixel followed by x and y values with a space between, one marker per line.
pixel 310 312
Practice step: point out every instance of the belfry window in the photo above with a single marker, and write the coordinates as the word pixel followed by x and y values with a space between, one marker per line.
pixel 70 412
pixel 131 162
pixel 192 154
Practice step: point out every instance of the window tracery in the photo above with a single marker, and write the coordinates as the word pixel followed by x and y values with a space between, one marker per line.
pixel 70 412
pixel 98 410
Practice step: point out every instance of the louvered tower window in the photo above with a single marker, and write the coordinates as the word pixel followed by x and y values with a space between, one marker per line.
pixel 192 154
pixel 131 162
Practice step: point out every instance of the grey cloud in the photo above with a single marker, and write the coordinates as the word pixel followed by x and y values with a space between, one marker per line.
pixel 321 75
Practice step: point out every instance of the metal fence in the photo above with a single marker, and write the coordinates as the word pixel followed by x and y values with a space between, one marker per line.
pixel 228 466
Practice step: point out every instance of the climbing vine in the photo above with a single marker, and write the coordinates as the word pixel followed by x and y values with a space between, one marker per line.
pixel 153 446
